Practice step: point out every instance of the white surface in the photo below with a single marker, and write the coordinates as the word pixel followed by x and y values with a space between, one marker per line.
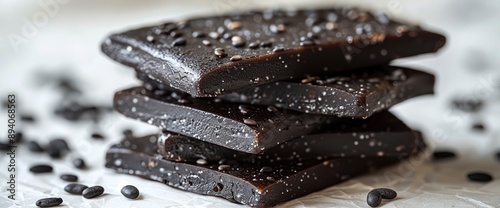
pixel 69 44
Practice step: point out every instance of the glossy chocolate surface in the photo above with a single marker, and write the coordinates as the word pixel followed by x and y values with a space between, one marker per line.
pixel 222 54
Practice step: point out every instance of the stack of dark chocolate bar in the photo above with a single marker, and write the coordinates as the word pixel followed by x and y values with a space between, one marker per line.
pixel 263 107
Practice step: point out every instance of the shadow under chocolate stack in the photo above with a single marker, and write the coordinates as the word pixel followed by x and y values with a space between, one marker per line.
pixel 263 107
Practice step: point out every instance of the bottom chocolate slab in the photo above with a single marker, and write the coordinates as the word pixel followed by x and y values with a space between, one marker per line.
pixel 244 183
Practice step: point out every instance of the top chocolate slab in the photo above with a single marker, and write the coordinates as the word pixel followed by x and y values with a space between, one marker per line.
pixel 223 54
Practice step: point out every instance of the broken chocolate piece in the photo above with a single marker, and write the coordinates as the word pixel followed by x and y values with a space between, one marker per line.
pixel 356 94
pixel 246 183
pixel 215 121
pixel 347 138
pixel 309 43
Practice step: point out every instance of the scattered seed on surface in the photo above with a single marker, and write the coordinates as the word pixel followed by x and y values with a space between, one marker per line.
pixel 75 188
pixel 92 192
pixel 235 58
pixel 224 167
pixel 69 177
pixel 28 118
pixel 374 198
pixel 179 42
pixel 198 34
pixel 41 169
pixel 97 136
pixel 79 163
pixel 49 202
pixel 206 42
pixel 479 177
pixel 220 52
pixel 249 121
pixel 201 162
pixel 130 192
pixel 34 147
pixel 441 155
pixel 266 169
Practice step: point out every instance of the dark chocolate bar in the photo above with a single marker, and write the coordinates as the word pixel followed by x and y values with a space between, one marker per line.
pixel 223 54
pixel 382 135
pixel 354 94
pixel 248 184
pixel 250 129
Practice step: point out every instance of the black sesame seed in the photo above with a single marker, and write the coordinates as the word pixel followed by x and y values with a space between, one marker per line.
pixel 468 105
pixel 278 49
pixel 97 136
pixel 59 143
pixel 179 42
pixel 441 155
pixel 130 192
pixel 75 188
pixel 266 44
pixel 128 133
pixel 150 38
pixel 49 202
pixel 253 45
pixel 92 192
pixel 69 177
pixel 249 121
pixel 235 58
pixel 41 169
pixel 227 36
pixel 214 35
pixel 206 42
pixel 224 167
pixel 479 177
pixel 53 152
pixel 306 43
pixel 28 118
pixel 374 198
pixel 79 163
pixel 198 34
pixel 478 127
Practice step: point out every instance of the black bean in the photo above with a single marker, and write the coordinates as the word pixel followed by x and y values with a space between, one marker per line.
pixel 69 177
pixel 387 193
pixel 471 105
pixel 41 169
pixel 441 155
pixel 34 146
pixel 92 192
pixel 5 146
pixel 374 198
pixel 479 177
pixel 75 188
pixel 59 143
pixel 97 136
pixel 27 118
pixel 49 202
pixel 478 127
pixel 130 192
pixel 79 163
